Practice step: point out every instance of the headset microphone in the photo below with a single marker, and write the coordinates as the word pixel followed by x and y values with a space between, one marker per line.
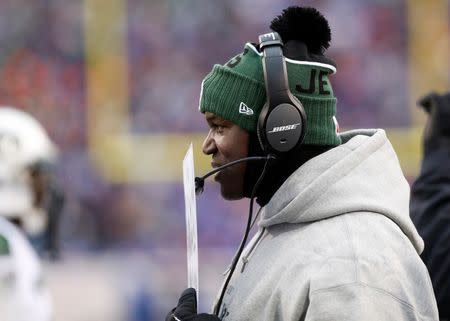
pixel 200 181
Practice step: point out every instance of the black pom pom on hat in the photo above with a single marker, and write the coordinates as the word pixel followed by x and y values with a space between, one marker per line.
pixel 306 25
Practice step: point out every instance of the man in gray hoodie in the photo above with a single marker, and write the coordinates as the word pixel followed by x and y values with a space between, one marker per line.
pixel 335 240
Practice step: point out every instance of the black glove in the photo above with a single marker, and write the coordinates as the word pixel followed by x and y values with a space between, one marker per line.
pixel 186 310
pixel 437 130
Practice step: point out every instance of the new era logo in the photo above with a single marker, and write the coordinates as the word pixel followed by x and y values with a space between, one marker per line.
pixel 244 109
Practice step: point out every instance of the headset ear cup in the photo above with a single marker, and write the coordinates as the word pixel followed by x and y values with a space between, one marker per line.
pixel 286 115
pixel 283 128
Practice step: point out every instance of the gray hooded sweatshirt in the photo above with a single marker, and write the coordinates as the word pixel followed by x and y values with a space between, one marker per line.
pixel 336 242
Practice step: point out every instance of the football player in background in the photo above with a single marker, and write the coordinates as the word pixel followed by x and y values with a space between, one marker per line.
pixel 29 210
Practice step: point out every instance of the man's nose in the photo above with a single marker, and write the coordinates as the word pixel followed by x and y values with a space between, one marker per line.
pixel 209 145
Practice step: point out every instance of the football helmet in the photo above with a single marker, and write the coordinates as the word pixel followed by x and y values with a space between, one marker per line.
pixel 28 196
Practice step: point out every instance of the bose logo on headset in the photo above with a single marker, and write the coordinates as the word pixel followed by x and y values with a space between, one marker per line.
pixel 283 128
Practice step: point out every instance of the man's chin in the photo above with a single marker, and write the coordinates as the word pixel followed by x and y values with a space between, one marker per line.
pixel 230 195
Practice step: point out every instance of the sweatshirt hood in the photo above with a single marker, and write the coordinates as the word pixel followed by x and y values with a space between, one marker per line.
pixel 361 175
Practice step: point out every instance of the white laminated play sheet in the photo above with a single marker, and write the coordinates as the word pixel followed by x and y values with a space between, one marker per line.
pixel 191 219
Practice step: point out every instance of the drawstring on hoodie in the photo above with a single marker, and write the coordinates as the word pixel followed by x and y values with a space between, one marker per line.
pixel 237 252
pixel 245 258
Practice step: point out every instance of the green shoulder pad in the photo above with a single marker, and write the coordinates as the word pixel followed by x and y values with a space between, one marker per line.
pixel 4 246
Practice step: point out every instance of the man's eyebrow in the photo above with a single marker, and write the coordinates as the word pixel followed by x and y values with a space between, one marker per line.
pixel 215 119
pixel 210 118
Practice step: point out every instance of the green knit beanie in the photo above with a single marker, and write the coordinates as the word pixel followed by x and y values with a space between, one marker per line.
pixel 236 92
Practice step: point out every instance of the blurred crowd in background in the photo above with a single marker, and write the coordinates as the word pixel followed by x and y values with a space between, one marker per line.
pixel 171 46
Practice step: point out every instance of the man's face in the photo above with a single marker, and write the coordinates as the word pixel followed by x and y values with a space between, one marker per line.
pixel 227 142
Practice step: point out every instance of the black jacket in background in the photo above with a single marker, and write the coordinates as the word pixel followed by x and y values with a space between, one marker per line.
pixel 430 212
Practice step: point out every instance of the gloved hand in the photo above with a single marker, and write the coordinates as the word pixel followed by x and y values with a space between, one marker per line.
pixel 437 130
pixel 186 310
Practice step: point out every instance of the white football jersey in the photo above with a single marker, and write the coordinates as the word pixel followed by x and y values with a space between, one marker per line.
pixel 24 295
